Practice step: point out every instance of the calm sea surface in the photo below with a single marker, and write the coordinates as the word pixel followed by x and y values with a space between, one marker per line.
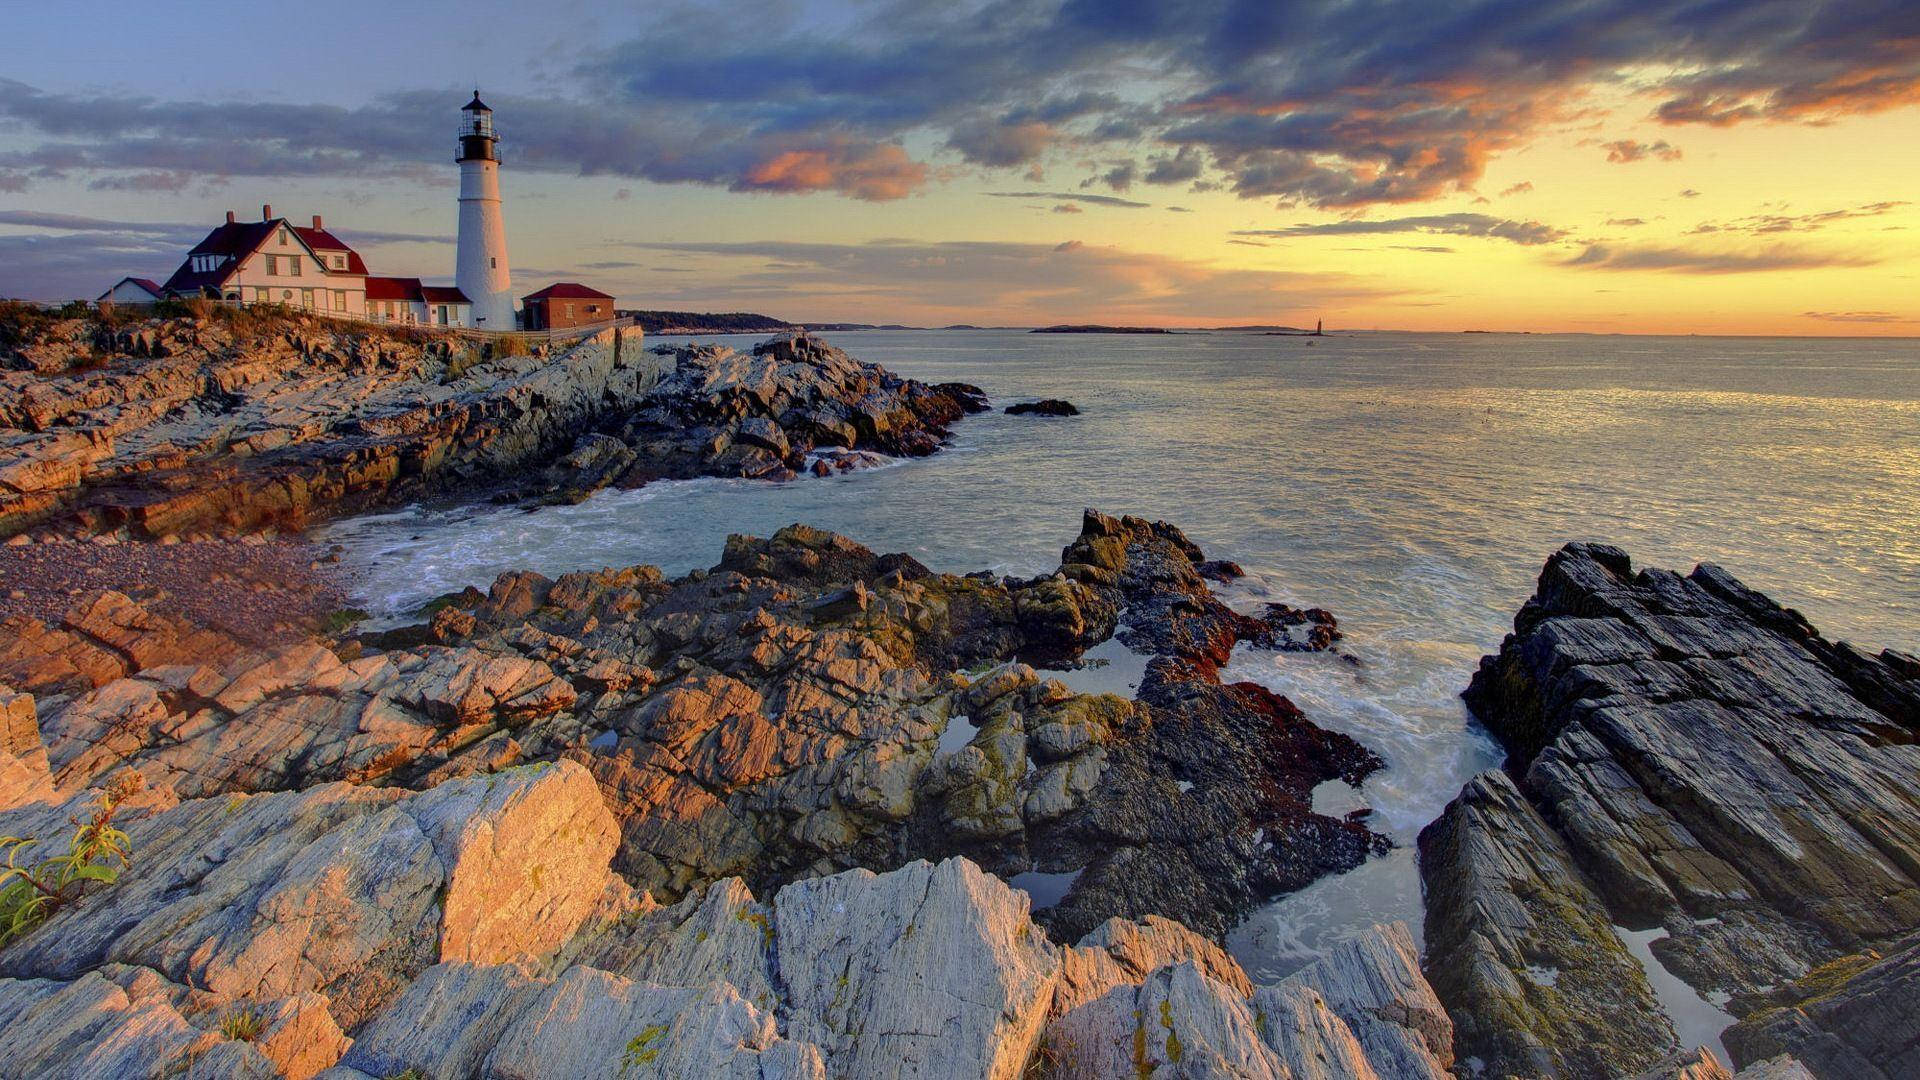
pixel 1411 483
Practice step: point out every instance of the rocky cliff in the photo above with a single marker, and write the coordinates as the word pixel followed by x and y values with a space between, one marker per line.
pixel 1685 755
pixel 239 421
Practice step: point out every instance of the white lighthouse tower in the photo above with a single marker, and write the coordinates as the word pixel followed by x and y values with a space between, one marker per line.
pixel 480 269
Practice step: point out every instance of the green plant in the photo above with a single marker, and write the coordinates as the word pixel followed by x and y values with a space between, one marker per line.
pixel 29 895
pixel 338 621
pixel 459 363
pixel 410 1074
pixel 243 1024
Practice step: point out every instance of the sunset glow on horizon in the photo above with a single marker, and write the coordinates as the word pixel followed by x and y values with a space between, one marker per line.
pixel 1605 168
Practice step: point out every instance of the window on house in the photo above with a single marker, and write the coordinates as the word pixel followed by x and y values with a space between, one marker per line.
pixel 293 266
pixel 273 266
pixel 306 298
pixel 339 299
pixel 493 264
pixel 569 311
pixel 283 237
pixel 261 295
pixel 339 262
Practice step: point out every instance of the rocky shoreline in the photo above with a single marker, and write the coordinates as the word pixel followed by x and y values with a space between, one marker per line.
pixel 759 820
pixel 518 784
pixel 238 422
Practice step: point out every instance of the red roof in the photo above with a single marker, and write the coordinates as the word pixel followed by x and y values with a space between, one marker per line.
pixel 322 240
pixel 567 290
pixel 393 288
pixel 410 289
pixel 234 240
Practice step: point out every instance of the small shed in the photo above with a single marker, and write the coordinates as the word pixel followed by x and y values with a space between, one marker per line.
pixel 132 290
pixel 564 304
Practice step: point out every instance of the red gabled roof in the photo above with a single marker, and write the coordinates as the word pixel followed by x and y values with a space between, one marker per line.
pixel 235 240
pixel 567 290
pixel 443 294
pixel 393 288
pixel 147 284
pixel 322 240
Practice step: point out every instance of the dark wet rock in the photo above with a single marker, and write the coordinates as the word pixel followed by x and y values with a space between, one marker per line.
pixel 971 398
pixel 1220 570
pixel 1715 767
pixel 1043 407
pixel 1523 953
pixel 1858 1016
pixel 792 712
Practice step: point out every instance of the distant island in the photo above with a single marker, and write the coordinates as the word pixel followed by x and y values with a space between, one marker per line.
pixel 696 322
pixel 1091 328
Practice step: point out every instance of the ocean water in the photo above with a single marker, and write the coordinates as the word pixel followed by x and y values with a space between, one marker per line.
pixel 1413 484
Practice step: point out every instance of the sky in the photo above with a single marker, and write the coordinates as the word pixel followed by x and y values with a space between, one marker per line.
pixel 1661 166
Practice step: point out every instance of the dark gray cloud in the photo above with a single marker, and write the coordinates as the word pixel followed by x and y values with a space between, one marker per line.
pixel 1758 224
pixel 1855 316
pixel 1072 196
pixel 1182 166
pixel 1461 224
pixel 1317 102
pixel 1693 261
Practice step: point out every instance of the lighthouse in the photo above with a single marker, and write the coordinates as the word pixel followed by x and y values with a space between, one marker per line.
pixel 480 269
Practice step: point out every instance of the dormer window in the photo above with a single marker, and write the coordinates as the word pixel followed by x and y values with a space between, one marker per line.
pixel 339 262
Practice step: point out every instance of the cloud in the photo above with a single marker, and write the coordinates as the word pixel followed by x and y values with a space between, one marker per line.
pixel 1778 223
pixel 1001 144
pixel 1691 261
pixel 1520 188
pixel 1461 224
pixel 1627 151
pixel 873 171
pixel 1067 208
pixel 1069 196
pixel 1179 210
pixel 1321 102
pixel 1855 316
pixel 1119 178
pixel 1627 222
pixel 1180 167
pixel 1689 193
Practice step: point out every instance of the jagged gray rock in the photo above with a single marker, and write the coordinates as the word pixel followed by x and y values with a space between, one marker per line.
pixel 1708 763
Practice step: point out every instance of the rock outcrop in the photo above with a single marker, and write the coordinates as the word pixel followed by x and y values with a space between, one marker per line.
pixel 242 421
pixel 475 930
pixel 1690 756
pixel 804 707
pixel 1043 407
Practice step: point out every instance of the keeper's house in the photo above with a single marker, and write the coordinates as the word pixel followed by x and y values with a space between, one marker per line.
pixel 273 261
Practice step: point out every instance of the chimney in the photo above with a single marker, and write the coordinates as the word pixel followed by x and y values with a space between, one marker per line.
pixel 229 217
pixel 266 211
pixel 317 227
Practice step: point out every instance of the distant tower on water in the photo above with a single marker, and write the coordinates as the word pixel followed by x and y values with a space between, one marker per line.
pixel 480 269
